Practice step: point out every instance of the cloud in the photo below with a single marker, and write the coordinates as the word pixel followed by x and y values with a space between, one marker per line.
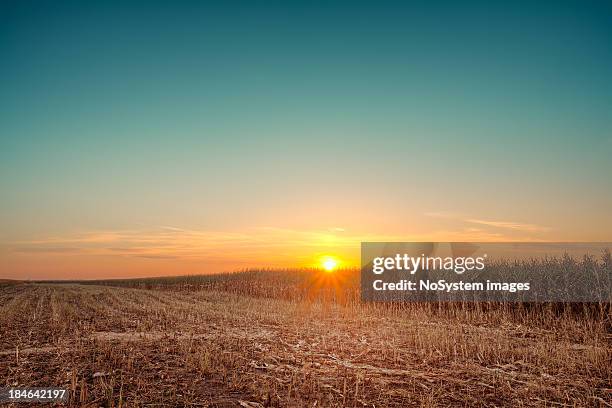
pixel 509 225
pixel 178 243
pixel 44 249
pixel 277 246
pixel 441 214
pixel 499 224
pixel 336 229
pixel 156 256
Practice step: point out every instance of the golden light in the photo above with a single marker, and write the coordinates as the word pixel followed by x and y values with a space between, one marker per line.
pixel 329 264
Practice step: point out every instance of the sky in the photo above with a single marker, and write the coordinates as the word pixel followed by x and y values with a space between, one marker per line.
pixel 161 138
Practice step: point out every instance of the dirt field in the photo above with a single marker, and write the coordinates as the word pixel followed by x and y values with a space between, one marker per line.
pixel 131 347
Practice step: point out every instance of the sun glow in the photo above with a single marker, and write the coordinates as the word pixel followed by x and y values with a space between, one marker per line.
pixel 329 264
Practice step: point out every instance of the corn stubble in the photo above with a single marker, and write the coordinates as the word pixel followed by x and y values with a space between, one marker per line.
pixel 296 338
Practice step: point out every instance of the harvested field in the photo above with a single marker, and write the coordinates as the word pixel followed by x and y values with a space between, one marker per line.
pixel 132 347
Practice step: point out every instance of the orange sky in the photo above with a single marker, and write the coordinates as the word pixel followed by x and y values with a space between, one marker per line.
pixel 172 250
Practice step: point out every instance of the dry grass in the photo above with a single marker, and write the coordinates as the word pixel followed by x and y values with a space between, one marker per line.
pixel 113 346
pixel 8 282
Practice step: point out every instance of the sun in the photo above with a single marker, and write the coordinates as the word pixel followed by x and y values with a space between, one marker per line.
pixel 329 264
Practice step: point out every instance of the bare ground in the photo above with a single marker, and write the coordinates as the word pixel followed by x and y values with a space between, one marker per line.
pixel 131 347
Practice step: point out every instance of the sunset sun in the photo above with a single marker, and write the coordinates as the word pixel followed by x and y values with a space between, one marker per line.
pixel 329 264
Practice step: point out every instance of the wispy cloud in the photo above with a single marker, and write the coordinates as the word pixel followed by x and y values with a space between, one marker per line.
pixel 268 245
pixel 494 224
pixel 46 249
pixel 442 214
pixel 336 229
pixel 179 243
pixel 509 225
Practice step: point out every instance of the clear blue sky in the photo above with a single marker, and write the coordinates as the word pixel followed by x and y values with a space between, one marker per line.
pixel 384 118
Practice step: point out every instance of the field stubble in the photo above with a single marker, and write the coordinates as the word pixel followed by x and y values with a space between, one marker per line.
pixel 194 346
